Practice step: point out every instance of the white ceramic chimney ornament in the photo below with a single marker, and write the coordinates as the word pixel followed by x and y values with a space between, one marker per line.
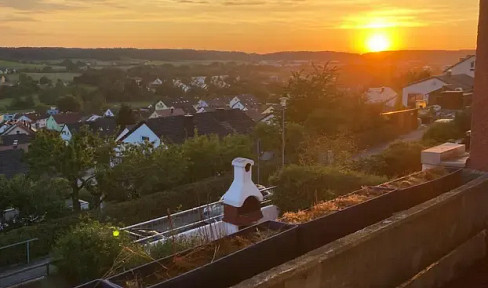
pixel 242 187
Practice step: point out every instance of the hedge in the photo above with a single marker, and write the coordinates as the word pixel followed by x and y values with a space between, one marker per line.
pixel 177 199
pixel 47 233
pixel 299 187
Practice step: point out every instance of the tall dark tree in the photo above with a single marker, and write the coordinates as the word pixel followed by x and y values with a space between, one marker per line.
pixel 125 116
pixel 69 104
pixel 77 160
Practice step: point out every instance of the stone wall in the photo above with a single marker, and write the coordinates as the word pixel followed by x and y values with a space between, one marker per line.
pixel 393 251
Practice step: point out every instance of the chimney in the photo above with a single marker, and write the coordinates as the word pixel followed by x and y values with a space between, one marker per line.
pixel 242 202
pixel 479 126
pixel 449 73
pixel 189 125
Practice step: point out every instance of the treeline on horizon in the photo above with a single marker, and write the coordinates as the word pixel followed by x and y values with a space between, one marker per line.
pixel 113 54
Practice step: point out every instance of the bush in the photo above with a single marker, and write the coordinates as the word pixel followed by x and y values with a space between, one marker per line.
pixel 91 250
pixel 377 136
pixel 400 158
pixel 157 204
pixel 46 232
pixel 299 187
pixel 442 132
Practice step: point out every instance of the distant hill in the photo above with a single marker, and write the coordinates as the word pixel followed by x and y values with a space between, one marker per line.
pixel 421 57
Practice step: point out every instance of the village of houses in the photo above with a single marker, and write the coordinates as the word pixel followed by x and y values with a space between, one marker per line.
pixel 177 119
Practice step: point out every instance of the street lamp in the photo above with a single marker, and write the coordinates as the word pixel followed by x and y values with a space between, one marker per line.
pixel 283 106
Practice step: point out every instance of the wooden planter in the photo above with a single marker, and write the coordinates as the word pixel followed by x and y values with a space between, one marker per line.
pixel 228 270
pixel 318 232
pixel 99 284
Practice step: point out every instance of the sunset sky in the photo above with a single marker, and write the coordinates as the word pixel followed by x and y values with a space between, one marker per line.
pixel 244 25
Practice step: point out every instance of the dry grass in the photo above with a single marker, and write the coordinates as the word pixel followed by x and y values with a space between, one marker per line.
pixel 417 178
pixel 328 207
pixel 200 256
pixel 363 195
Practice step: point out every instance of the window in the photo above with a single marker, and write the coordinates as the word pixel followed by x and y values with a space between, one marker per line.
pixel 145 138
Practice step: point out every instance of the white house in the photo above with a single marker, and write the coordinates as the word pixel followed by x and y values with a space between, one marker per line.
pixel 108 113
pixel 157 82
pixel 465 65
pixel 66 133
pixel 160 106
pixel 92 118
pixel 420 90
pixel 385 95
pixel 236 103
pixel 139 134
pixel 199 81
pixel 179 84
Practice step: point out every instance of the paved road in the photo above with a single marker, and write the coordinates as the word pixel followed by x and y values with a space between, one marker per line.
pixel 415 135
pixel 35 270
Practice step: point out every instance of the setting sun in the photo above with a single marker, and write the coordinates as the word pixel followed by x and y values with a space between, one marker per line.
pixel 377 43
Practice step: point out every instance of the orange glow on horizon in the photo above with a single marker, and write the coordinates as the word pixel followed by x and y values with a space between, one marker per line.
pixel 250 26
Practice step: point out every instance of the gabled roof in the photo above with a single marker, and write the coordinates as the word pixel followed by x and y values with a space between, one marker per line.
pixel 67 118
pixel 8 140
pixel 170 128
pixel 455 81
pixel 380 95
pixel 11 163
pixel 181 103
pixel 131 129
pixel 458 81
pixel 169 112
pixel 461 61
pixel 26 128
pixel 248 100
pixel 223 122
pixel 105 126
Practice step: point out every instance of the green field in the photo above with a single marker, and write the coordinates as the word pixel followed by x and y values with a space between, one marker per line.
pixel 64 76
pixel 21 65
pixel 5 103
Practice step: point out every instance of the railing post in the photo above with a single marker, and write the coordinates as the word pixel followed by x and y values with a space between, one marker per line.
pixel 28 251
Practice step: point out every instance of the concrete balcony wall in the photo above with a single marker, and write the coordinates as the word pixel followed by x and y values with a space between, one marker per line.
pixel 393 251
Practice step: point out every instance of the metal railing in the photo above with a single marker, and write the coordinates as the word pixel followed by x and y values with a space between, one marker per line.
pixel 26 274
pixel 182 221
pixel 27 247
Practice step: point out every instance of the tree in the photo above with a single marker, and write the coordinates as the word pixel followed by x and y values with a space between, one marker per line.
pixel 69 104
pixel 44 197
pixel 50 155
pixel 41 108
pixel 45 81
pixel 315 101
pixel 125 116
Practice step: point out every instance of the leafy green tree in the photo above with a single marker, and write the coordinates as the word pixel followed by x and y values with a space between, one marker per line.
pixel 268 135
pixel 69 104
pixel 314 99
pixel 37 198
pixel 125 116
pixel 74 160
pixel 45 81
pixel 144 170
pixel 41 108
